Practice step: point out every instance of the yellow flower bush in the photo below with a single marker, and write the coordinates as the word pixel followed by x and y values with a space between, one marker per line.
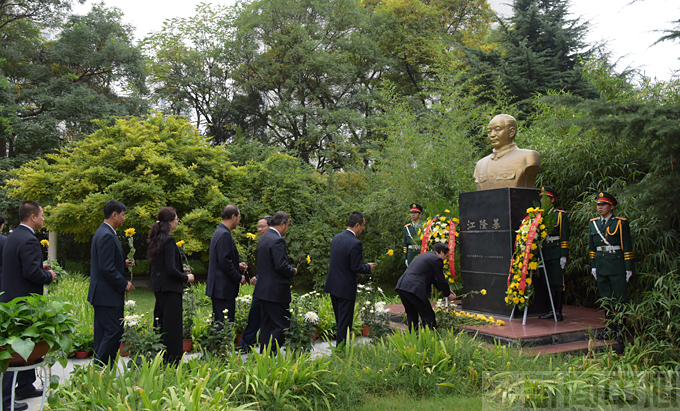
pixel 44 243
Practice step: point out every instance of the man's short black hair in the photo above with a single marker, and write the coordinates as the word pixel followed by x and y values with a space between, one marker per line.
pixel 27 209
pixel 279 218
pixel 230 211
pixel 266 218
pixel 2 220
pixel 357 217
pixel 439 247
pixel 113 206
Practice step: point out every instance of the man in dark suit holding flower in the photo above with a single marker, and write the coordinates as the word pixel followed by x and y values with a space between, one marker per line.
pixel 108 284
pixel 224 268
pixel 23 274
pixel 274 273
pixel 347 263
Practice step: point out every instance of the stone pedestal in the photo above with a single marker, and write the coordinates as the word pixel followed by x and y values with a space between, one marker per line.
pixel 488 221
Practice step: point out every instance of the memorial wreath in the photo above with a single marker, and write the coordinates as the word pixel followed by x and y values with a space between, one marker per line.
pixel 525 260
pixel 442 229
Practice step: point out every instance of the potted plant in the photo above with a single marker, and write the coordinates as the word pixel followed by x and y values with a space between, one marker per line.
pixel 189 308
pixel 32 326
pixel 241 317
pixel 83 343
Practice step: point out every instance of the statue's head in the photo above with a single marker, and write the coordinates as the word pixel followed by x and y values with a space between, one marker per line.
pixel 502 130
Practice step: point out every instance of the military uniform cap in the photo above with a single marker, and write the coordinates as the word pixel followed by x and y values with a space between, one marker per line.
pixel 548 191
pixel 416 207
pixel 605 197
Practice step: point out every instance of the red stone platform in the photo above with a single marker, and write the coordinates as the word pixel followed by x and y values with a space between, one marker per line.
pixel 579 327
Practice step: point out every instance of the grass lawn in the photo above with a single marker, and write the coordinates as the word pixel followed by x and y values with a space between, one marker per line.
pixel 433 403
pixel 144 298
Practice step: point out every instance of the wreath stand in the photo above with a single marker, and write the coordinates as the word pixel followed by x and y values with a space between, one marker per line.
pixel 41 364
pixel 547 283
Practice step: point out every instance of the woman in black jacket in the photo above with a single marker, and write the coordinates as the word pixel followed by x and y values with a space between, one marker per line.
pixel 167 281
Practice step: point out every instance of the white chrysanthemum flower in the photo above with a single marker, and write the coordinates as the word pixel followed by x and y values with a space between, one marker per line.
pixel 382 310
pixel 439 304
pixel 311 317
pixel 225 311
pixel 380 290
pixel 130 304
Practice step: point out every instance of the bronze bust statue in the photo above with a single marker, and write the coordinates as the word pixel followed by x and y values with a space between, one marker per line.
pixel 508 165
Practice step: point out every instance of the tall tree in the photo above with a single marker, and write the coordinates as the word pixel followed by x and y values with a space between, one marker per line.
pixel 91 71
pixel 420 36
pixel 539 49
pixel 314 64
pixel 192 68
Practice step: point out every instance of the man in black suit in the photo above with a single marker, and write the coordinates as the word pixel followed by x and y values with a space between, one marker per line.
pixel 249 337
pixel 108 284
pixel 23 274
pixel 274 273
pixel 2 245
pixel 414 284
pixel 224 269
pixel 347 263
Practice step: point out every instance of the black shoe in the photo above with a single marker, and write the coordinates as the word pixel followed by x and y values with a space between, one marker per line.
pixel 548 316
pixel 22 395
pixel 560 317
pixel 18 406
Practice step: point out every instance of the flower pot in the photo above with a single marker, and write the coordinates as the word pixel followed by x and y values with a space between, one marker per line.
pixel 314 337
pixel 365 330
pixel 238 339
pixel 123 350
pixel 41 348
pixel 187 345
pixel 81 355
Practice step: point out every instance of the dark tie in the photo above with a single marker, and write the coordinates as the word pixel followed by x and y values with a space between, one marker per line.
pixel 603 221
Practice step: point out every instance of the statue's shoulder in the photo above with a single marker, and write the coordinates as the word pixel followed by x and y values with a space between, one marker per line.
pixel 532 157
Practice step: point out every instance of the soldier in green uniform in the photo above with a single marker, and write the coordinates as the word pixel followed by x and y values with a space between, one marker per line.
pixel 611 255
pixel 412 233
pixel 556 252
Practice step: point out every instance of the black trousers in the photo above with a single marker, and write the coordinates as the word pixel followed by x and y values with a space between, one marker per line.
pixel 344 314
pixel 218 307
pixel 25 380
pixel 249 337
pixel 414 307
pixel 168 311
pixel 108 329
pixel 275 318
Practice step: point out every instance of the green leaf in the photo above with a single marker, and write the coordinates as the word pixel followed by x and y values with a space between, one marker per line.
pixel 23 347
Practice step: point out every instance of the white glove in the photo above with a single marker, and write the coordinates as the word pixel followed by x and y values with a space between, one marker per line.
pixel 406 262
pixel 628 275
pixel 594 272
pixel 563 262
